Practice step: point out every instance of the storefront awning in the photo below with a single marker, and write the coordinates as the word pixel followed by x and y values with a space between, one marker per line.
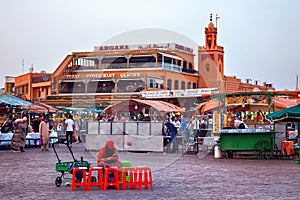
pixel 135 105
pixel 13 101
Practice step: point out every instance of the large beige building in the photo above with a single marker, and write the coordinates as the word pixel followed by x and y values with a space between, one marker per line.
pixel 110 74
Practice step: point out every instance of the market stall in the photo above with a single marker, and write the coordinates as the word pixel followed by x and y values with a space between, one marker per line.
pixel 289 115
pixel 32 139
pixel 134 105
pixel 261 142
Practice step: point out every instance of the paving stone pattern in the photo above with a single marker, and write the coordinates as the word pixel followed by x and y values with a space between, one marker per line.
pixel 31 175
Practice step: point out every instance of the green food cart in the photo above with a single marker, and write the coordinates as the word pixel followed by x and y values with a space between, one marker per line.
pixel 259 141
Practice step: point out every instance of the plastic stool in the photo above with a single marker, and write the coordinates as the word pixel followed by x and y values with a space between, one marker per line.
pixel 99 178
pixel 81 183
pixel 115 182
pixel 126 164
pixel 144 177
pixel 128 177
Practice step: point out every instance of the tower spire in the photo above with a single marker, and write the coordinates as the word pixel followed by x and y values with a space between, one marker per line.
pixel 210 17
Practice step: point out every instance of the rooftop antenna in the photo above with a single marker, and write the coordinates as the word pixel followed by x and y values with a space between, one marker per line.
pixel 217 17
pixel 297 79
pixel 22 65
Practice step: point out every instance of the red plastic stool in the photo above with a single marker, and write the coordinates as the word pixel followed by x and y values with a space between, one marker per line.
pixel 99 178
pixel 83 181
pixel 128 177
pixel 112 182
pixel 144 177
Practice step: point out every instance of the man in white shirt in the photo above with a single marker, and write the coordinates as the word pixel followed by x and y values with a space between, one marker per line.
pixel 239 124
pixel 195 126
pixel 70 126
pixel 176 123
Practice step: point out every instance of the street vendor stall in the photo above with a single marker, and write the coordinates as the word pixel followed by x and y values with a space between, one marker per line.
pixel 32 139
pixel 259 141
pixel 289 115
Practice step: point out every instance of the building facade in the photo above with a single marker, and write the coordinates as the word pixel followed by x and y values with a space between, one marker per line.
pixel 33 86
pixel 112 73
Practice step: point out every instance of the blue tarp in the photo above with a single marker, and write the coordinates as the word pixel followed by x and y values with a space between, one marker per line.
pixel 13 101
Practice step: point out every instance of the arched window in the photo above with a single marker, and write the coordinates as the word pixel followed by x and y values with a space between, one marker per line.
pixel 194 85
pixel 176 85
pixel 169 84
pixel 182 85
pixel 189 85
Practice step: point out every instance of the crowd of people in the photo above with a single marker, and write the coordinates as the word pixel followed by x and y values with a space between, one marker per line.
pixel 20 126
pixel 189 127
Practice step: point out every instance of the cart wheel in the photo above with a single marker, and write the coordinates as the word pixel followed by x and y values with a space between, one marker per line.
pixel 224 155
pixel 263 150
pixel 229 154
pixel 58 181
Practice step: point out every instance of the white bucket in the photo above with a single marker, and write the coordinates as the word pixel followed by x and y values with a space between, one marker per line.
pixel 217 152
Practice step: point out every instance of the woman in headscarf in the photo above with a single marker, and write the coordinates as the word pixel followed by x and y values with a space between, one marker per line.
pixel 44 134
pixel 19 136
pixel 108 156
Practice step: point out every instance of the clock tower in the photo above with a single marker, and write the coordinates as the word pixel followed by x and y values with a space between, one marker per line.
pixel 211 59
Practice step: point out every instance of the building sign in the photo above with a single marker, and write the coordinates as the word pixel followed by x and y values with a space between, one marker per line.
pixel 161 46
pixel 111 48
pixel 103 76
pixel 216 122
pixel 202 91
pixel 100 76
pixel 130 75
pixel 72 76
pixel 178 93
pixel 251 99
pixel 155 94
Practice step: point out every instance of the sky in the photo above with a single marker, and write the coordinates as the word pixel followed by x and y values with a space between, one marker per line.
pixel 261 39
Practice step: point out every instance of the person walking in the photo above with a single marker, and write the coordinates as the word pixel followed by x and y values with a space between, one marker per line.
pixel 19 136
pixel 195 126
pixel 70 128
pixel 171 130
pixel 44 134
